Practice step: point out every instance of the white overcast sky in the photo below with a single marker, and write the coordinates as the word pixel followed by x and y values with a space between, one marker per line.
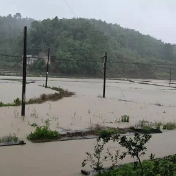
pixel 154 17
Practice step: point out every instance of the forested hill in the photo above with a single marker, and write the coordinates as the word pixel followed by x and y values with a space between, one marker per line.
pixel 10 29
pixel 78 45
pixel 144 46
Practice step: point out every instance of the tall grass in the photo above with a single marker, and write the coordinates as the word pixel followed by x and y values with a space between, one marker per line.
pixel 61 93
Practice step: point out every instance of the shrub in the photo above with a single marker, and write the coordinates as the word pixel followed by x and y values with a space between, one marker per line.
pixel 169 126
pixel 135 147
pixel 17 102
pixel 43 133
pixel 160 167
pixel 125 118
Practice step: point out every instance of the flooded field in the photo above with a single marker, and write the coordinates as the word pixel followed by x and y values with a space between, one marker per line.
pixel 151 101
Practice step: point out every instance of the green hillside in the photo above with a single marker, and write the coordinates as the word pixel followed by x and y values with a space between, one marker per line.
pixel 77 46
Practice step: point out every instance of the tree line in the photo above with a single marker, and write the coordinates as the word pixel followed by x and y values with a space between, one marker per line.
pixel 78 44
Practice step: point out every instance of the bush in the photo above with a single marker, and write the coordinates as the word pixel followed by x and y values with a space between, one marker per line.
pixel 17 102
pixel 162 167
pixel 43 133
pixel 135 147
pixel 125 118
pixel 169 126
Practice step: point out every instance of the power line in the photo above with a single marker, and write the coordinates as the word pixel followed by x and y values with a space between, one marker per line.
pixel 99 61
pixel 70 8
pixel 6 55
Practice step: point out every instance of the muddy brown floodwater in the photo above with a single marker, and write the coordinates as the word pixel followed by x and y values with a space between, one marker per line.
pixel 140 101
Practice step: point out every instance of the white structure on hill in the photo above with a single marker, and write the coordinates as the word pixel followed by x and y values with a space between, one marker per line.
pixel 31 59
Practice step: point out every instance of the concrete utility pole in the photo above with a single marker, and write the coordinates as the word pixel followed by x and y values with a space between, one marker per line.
pixel 170 76
pixel 104 66
pixel 47 69
pixel 24 73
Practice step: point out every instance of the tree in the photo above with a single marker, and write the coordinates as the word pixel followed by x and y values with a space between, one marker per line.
pixel 17 15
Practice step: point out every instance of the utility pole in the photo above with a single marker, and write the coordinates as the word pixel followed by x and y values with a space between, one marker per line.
pixel 47 68
pixel 24 72
pixel 104 66
pixel 170 76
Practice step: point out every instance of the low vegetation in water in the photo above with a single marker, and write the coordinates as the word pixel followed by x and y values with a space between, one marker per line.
pixel 33 125
pixel 135 146
pixel 16 102
pixel 169 126
pixel 9 138
pixel 157 125
pixel 61 93
pixel 125 118
pixel 158 104
pixel 163 167
pixel 109 131
pixel 96 127
pixel 149 125
pixel 147 128
pixel 43 133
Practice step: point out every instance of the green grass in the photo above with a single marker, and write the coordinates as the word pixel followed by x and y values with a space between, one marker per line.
pixel 169 126
pixel 43 97
pixel 10 138
pixel 148 128
pixel 108 132
pixel 43 133
pixel 162 167
pixel 157 125
pixel 125 118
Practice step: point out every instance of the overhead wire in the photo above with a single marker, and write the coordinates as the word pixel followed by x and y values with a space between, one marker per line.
pixel 70 8
pixel 99 61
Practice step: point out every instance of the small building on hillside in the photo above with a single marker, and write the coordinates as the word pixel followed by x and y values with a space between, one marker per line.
pixel 31 59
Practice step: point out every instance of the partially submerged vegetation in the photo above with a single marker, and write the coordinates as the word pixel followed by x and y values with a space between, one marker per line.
pixel 125 118
pixel 169 126
pixel 156 167
pixel 156 125
pixel 135 146
pixel 61 93
pixel 9 138
pixel 43 133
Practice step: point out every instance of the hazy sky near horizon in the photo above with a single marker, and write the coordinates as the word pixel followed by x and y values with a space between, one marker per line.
pixel 153 17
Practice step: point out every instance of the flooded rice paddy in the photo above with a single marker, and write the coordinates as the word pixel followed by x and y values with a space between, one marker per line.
pixel 151 101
